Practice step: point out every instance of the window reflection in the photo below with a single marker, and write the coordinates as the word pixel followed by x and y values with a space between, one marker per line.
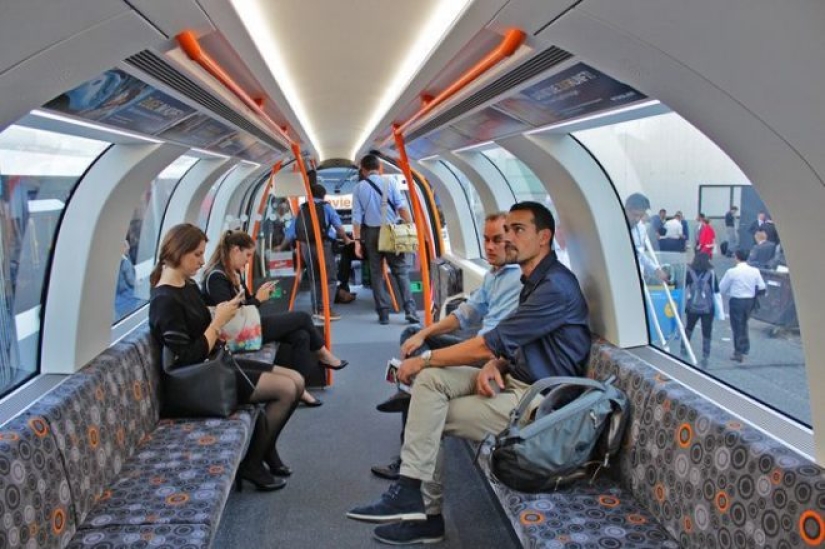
pixel 521 179
pixel 140 244
pixel 694 199
pixel 38 172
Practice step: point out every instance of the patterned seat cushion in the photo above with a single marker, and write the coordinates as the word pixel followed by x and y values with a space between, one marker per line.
pixel 149 354
pixel 181 474
pixel 35 500
pixel 172 536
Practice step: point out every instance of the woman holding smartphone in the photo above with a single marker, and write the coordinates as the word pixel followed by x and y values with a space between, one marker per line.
pixel 180 320
pixel 222 282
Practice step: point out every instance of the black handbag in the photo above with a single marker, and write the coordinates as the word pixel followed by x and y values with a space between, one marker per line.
pixel 205 389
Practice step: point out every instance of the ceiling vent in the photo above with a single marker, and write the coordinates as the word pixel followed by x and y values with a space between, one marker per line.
pixel 533 67
pixel 156 67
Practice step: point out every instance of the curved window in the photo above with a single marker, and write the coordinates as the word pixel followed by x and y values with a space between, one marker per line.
pixel 38 172
pixel 472 198
pixel 521 179
pixel 684 176
pixel 140 244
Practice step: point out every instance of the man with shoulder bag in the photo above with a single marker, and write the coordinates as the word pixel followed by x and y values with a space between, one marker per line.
pixel 377 202
pixel 547 335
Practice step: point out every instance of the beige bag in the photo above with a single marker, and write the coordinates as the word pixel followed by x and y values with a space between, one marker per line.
pixel 399 238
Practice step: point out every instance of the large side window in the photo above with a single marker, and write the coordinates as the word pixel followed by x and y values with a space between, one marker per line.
pixel 141 240
pixel 521 179
pixel 684 197
pixel 472 198
pixel 38 172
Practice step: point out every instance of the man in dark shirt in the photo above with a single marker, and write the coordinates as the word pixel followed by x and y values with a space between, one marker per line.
pixel 547 335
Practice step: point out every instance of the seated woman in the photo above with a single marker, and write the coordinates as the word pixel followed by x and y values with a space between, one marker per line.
pixel 222 282
pixel 180 320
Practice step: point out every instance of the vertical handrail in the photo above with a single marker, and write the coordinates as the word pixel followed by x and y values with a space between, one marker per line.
pixel 296 283
pixel 319 244
pixel 418 219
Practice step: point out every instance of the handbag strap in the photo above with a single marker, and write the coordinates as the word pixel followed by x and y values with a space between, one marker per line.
pixel 384 198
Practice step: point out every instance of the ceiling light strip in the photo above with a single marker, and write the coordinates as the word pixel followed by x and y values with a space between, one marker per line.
pixel 511 42
pixel 190 45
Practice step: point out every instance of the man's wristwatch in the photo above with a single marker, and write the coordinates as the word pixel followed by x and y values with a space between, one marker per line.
pixel 427 357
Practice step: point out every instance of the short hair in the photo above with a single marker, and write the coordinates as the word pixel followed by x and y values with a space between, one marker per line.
pixel 741 255
pixel 734 208
pixel 318 191
pixel 702 216
pixel 542 217
pixel 495 216
pixel 637 201
pixel 312 176
pixel 370 163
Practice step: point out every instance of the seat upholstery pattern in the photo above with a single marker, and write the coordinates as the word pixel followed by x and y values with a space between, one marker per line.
pixel 35 499
pixel 171 536
pixel 150 358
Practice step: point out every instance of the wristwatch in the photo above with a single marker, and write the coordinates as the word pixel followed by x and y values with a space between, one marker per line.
pixel 427 356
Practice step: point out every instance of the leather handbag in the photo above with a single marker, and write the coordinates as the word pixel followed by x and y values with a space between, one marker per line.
pixel 205 389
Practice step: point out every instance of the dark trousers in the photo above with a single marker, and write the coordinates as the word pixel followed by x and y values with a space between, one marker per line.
pixel 310 258
pixel 398 269
pixel 297 329
pixel 707 329
pixel 740 313
pixel 345 266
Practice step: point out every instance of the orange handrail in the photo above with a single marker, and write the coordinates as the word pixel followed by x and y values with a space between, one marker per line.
pixel 189 43
pixel 319 244
pixel 257 224
pixel 299 273
pixel 428 192
pixel 511 42
pixel 418 219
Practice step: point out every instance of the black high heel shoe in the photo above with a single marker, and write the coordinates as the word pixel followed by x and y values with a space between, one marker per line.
pixel 340 366
pixel 277 467
pixel 312 403
pixel 257 475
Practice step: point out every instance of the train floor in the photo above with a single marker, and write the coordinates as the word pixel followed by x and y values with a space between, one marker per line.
pixel 331 449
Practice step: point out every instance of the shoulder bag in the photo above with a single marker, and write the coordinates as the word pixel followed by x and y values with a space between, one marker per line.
pixel 205 389
pixel 394 238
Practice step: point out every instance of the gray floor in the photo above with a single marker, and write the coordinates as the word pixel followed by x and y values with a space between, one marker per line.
pixel 331 448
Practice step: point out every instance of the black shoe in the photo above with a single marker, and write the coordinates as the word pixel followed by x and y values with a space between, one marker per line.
pixel 736 357
pixel 398 503
pixel 412 317
pixel 399 402
pixel 257 475
pixel 383 318
pixel 407 533
pixel 312 403
pixel 390 472
pixel 340 366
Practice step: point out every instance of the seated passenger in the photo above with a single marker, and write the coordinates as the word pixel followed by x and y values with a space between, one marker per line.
pixel 494 300
pixel 125 299
pixel 222 282
pixel 763 255
pixel 547 335
pixel 180 320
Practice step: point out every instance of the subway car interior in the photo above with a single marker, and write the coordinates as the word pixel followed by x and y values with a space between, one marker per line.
pixel 677 145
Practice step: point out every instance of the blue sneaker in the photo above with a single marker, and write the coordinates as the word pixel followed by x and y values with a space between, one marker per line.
pixel 407 533
pixel 412 317
pixel 396 504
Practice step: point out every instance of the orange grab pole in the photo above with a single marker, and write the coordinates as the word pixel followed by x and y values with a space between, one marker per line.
pixel 257 225
pixel 189 43
pixel 428 193
pixel 388 282
pixel 298 275
pixel 511 42
pixel 319 244
pixel 418 218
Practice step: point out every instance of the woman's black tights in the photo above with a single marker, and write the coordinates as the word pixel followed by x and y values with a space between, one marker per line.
pixel 280 391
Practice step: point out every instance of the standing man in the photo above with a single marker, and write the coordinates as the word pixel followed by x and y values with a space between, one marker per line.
pixel 635 209
pixel 657 225
pixel 762 255
pixel 743 284
pixel 366 225
pixel 547 335
pixel 730 230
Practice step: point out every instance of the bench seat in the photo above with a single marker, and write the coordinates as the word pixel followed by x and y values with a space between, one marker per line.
pixel 689 475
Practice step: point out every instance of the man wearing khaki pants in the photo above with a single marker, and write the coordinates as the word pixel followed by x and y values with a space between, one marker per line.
pixel 547 335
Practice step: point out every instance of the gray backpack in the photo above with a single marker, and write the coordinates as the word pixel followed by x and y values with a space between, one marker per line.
pixel 577 428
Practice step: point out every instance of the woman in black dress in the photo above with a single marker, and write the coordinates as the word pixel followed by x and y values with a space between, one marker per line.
pixel 222 282
pixel 180 320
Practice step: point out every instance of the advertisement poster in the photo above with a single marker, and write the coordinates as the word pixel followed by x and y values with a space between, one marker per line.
pixel 447 138
pixel 255 152
pixel 577 91
pixel 121 100
pixel 197 131
pixel 487 124
pixel 233 144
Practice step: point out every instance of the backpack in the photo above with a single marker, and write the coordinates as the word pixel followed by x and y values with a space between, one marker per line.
pixel 700 293
pixel 304 230
pixel 577 428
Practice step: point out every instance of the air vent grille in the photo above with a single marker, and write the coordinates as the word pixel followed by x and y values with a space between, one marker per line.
pixel 532 67
pixel 156 67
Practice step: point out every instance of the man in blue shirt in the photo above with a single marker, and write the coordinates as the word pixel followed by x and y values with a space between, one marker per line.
pixel 547 335
pixel 367 219
pixel 331 226
pixel 486 307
